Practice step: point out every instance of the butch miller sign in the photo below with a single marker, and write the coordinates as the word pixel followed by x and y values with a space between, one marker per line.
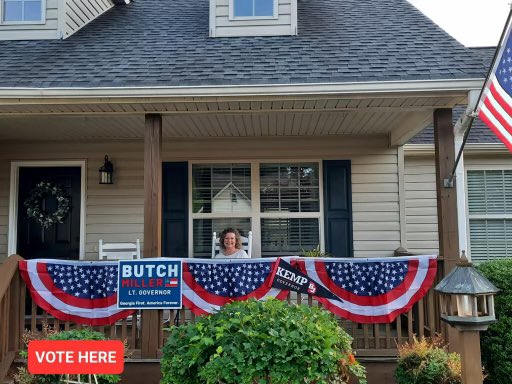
pixel 284 276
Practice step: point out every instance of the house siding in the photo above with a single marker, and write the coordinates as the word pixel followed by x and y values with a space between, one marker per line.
pixel 284 24
pixel 80 12
pixel 113 212
pixel 48 30
pixel 116 212
pixel 421 205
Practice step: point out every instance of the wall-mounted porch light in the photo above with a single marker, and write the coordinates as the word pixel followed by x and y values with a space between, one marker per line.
pixel 107 172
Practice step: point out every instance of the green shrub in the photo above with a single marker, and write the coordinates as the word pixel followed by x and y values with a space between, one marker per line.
pixel 253 342
pixel 496 342
pixel 427 362
pixel 23 377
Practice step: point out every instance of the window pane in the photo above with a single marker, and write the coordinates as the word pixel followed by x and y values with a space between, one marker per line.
pixel 288 236
pixel 221 188
pixel 32 11
pixel 243 8
pixel 490 192
pixel 289 188
pixel 264 8
pixel 13 11
pixel 203 232
pixel 490 239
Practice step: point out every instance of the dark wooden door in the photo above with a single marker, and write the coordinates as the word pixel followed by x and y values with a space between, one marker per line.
pixel 61 241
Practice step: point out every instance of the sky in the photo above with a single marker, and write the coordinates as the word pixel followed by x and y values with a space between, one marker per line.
pixel 475 23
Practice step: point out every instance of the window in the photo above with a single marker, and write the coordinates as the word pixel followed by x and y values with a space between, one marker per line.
pixel 290 208
pixel 253 8
pixel 283 199
pixel 221 198
pixel 490 213
pixel 22 11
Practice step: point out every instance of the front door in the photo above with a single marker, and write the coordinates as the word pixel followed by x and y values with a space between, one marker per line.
pixel 61 241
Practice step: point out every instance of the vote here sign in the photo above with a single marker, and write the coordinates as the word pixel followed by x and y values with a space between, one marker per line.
pixel 149 284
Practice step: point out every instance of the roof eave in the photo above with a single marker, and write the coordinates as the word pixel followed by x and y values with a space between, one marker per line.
pixel 360 88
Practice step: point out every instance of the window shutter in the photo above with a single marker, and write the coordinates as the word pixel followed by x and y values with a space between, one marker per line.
pixel 338 208
pixel 175 210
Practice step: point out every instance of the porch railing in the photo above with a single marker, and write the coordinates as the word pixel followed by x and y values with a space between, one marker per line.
pixel 370 340
pixel 12 292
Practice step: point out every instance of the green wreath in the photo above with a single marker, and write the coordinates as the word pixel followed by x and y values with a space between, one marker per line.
pixel 34 204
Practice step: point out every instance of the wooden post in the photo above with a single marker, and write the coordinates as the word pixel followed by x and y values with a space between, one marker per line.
pixel 152 222
pixel 470 357
pixel 447 218
pixel 466 343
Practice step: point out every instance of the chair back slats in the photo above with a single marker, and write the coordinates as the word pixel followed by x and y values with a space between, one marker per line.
pixel 119 251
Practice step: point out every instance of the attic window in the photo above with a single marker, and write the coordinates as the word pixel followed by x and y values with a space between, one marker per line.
pixel 22 11
pixel 252 9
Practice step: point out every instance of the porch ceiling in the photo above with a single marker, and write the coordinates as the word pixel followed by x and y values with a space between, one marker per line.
pixel 399 117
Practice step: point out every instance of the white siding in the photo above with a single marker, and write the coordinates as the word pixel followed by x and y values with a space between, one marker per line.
pixel 115 212
pixel 421 205
pixel 80 12
pixel 284 24
pixel 376 215
pixel 48 30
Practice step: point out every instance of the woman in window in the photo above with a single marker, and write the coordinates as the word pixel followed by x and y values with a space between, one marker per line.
pixel 231 245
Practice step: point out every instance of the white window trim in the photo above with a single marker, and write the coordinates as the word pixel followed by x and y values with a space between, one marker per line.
pixel 233 17
pixel 503 167
pixel 255 214
pixel 34 22
pixel 13 198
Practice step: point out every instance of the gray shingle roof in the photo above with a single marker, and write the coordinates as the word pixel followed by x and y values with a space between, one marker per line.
pixel 166 43
pixel 479 132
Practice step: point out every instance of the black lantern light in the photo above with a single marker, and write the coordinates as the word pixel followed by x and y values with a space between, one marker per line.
pixel 107 172
pixel 467 298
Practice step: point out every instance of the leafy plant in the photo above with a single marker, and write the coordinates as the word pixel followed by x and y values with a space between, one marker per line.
pixel 253 342
pixel 315 252
pixel 425 361
pixel 24 377
pixel 496 342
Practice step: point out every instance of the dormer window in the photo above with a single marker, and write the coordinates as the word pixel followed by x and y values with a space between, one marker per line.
pixel 22 11
pixel 252 9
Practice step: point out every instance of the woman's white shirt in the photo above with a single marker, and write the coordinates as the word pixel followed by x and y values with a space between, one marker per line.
pixel 239 254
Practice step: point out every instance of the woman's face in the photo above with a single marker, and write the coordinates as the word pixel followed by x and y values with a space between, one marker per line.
pixel 230 240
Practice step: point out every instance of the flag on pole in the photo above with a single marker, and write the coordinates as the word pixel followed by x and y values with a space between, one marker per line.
pixel 495 106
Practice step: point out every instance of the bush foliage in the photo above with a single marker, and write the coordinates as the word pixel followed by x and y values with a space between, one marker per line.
pixel 496 342
pixel 425 361
pixel 253 342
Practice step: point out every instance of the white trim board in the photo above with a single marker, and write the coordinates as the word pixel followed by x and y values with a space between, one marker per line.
pixel 13 198
pixel 349 88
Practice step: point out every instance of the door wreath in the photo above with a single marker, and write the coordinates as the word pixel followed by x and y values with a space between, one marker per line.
pixel 34 204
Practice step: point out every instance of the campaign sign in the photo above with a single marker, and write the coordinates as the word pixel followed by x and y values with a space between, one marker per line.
pixel 149 284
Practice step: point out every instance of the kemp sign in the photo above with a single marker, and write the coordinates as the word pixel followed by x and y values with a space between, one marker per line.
pixel 284 276
pixel 149 284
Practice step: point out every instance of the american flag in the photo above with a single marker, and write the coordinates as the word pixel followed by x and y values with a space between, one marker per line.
pixel 209 284
pixel 82 292
pixel 495 107
pixel 373 290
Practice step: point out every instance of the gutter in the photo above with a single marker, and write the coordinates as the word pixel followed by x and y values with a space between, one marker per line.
pixel 476 148
pixel 299 89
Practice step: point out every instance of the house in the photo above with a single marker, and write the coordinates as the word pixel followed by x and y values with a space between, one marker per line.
pixel 484 186
pixel 304 106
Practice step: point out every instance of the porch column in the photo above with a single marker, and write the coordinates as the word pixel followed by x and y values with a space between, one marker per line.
pixel 465 343
pixel 152 222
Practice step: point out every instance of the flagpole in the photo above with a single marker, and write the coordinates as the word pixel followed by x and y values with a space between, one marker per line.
pixel 470 118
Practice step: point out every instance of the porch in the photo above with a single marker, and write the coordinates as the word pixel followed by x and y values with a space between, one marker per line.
pixel 376 344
